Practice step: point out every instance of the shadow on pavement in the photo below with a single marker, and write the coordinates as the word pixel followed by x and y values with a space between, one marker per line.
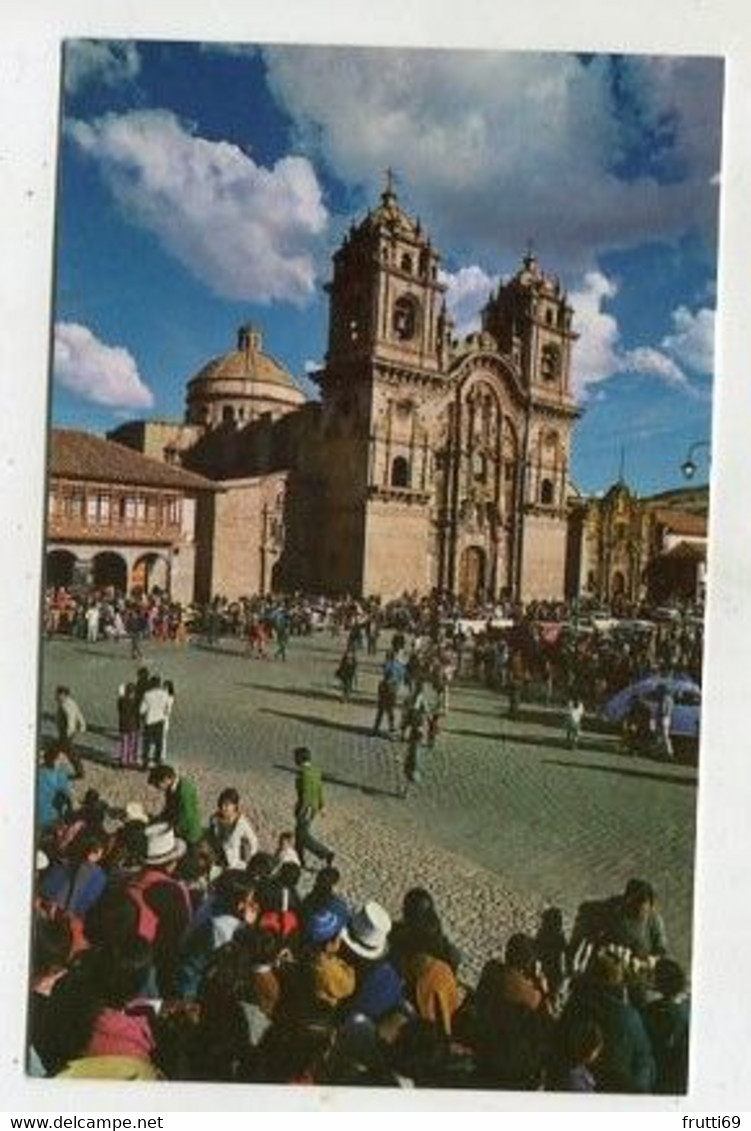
pixel 238 652
pixel 308 693
pixel 317 721
pixel 623 772
pixel 87 753
pixel 91 728
pixel 508 736
pixel 330 779
pixel 557 742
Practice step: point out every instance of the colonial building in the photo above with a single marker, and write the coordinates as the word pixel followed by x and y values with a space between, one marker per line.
pixel 428 461
pixel 116 518
pixel 627 548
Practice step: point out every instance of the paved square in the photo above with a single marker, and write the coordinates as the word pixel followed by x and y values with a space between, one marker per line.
pixel 505 822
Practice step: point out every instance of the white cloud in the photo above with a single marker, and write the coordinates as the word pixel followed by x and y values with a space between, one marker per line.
pixel 597 354
pixel 106 375
pixel 104 61
pixel 248 232
pixel 647 359
pixel 692 340
pixel 600 352
pixel 467 292
pixel 498 147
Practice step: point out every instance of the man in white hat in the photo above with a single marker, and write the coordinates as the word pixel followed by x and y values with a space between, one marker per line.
pixel 380 989
pixel 163 903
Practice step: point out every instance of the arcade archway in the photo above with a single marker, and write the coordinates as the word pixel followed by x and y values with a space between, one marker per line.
pixel 59 569
pixel 110 571
pixel 150 572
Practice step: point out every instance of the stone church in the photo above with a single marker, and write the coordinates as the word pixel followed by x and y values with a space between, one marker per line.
pixel 427 461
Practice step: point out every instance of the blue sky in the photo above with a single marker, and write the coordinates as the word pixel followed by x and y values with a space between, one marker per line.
pixel 202 186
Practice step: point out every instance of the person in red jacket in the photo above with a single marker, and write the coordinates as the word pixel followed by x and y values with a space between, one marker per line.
pixel 162 903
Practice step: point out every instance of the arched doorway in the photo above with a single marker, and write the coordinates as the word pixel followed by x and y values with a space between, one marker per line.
pixel 110 571
pixel 472 574
pixel 618 584
pixel 59 569
pixel 150 572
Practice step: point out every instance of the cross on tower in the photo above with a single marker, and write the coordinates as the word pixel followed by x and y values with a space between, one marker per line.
pixel 390 181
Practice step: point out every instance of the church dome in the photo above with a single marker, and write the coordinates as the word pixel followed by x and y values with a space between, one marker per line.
pixel 242 385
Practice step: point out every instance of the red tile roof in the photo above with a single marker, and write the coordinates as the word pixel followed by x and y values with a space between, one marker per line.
pixel 82 455
pixel 682 522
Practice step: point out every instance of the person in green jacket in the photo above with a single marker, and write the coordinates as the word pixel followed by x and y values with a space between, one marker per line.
pixel 309 803
pixel 181 806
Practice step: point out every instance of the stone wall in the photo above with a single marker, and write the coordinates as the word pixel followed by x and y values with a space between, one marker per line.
pixel 245 549
pixel 544 558
pixel 396 551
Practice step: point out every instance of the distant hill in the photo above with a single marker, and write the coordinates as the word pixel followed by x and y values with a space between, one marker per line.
pixel 695 500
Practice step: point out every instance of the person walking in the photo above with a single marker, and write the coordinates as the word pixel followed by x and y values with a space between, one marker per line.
pixel 154 709
pixel 70 722
pixel 92 623
pixel 282 637
pixel 574 716
pixel 128 725
pixel 416 728
pixel 169 687
pixel 309 803
pixel 665 721
pixel 346 673
pixel 386 705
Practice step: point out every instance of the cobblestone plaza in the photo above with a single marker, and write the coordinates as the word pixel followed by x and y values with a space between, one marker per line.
pixel 505 822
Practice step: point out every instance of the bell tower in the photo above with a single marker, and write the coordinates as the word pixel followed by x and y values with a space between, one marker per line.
pixel 387 348
pixel 386 298
pixel 530 319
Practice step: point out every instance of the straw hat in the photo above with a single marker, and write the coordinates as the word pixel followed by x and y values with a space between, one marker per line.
pixel 162 846
pixel 368 931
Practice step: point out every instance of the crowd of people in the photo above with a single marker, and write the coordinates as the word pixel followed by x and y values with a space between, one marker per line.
pixel 543 650
pixel 174 945
pixel 167 945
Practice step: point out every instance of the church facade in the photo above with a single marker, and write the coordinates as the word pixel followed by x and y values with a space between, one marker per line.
pixel 428 461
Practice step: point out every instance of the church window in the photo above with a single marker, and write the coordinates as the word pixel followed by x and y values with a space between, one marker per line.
pixel 405 318
pixel 547 492
pixel 228 414
pixel 407 263
pixel 399 472
pixel 549 316
pixel 91 508
pixel 550 363
pixel 76 504
pixel 480 467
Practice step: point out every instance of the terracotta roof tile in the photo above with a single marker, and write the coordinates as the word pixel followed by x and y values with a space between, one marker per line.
pixel 82 455
pixel 681 522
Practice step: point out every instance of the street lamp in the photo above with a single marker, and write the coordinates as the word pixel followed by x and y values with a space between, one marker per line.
pixel 688 467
